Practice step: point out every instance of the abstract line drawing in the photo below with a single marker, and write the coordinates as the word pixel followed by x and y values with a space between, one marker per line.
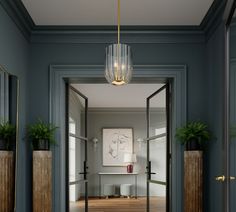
pixel 116 142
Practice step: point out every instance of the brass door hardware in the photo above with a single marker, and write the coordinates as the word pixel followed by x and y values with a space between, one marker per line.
pixel 220 178
pixel 232 178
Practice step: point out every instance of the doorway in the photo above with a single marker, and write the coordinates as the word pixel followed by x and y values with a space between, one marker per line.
pixel 60 74
pixel 105 113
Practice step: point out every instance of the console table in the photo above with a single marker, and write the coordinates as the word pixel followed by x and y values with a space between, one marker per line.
pixel 134 174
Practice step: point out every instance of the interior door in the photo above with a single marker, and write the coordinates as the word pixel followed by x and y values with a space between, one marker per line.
pixel 231 141
pixel 158 150
pixel 76 150
pixel 232 137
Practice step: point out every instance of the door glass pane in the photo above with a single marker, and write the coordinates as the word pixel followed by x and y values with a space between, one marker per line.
pixel 76 166
pixel 157 157
pixel 79 205
pixel 157 199
pixel 157 116
pixel 77 111
pixel 232 114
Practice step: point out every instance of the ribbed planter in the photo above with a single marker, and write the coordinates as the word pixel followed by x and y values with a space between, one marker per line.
pixel 7 183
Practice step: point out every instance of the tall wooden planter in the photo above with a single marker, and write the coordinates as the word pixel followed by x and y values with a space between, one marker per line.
pixel 42 181
pixel 7 181
pixel 193 181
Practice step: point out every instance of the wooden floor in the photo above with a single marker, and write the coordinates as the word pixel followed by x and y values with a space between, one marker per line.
pixel 120 205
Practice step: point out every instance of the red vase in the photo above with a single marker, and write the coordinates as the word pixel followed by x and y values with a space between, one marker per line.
pixel 130 168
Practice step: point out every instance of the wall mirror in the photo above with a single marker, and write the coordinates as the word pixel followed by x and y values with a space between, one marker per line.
pixel 230 109
pixel 9 100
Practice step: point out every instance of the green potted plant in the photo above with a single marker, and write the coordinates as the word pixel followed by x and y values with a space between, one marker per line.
pixel 41 134
pixel 7 135
pixel 193 135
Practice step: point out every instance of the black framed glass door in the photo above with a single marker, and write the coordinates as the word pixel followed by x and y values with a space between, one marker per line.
pixel 76 150
pixel 158 150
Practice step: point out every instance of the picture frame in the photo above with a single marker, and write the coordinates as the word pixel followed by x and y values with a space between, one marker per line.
pixel 116 142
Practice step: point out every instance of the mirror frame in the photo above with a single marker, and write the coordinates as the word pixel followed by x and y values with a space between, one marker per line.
pixel 4 109
pixel 4 114
pixel 228 15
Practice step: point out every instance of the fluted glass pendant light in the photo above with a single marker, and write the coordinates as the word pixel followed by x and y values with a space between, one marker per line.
pixel 118 65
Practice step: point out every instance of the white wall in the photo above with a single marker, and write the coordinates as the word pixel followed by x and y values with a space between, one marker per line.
pixel 136 120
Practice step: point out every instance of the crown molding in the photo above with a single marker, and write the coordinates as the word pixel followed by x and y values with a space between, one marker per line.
pixel 107 34
pixel 17 12
pixel 110 36
pixel 213 17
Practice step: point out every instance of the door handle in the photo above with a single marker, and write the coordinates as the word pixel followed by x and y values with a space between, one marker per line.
pixel 150 173
pixel 83 172
pixel 220 178
pixel 232 178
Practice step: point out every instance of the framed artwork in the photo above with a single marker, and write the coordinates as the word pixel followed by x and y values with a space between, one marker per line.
pixel 116 142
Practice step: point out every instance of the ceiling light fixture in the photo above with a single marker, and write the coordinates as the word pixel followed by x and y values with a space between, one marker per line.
pixel 118 65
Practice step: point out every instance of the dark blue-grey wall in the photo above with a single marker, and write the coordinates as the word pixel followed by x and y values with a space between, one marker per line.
pixel 191 54
pixel 215 91
pixel 14 57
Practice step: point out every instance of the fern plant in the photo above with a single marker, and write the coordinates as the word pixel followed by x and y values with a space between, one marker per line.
pixel 7 133
pixel 195 130
pixel 41 131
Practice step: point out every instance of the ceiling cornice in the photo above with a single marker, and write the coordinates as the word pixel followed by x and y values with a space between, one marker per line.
pixel 130 36
pixel 213 17
pixel 90 34
pixel 16 10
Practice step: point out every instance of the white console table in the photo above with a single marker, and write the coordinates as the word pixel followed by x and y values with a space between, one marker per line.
pixel 134 174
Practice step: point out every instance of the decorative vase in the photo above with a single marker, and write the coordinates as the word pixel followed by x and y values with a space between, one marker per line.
pixel 193 145
pixel 130 168
pixel 42 144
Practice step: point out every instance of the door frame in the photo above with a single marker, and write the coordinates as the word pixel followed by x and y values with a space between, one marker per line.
pixel 60 74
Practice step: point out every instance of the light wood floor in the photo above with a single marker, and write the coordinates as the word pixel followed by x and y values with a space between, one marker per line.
pixel 120 205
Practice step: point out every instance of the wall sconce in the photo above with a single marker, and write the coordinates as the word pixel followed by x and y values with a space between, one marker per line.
pixel 95 143
pixel 140 141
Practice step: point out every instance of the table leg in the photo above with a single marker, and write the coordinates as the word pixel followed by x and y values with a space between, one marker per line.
pixel 136 192
pixel 100 187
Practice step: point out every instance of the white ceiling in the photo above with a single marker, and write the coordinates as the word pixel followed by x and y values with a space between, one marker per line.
pixel 103 12
pixel 131 95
